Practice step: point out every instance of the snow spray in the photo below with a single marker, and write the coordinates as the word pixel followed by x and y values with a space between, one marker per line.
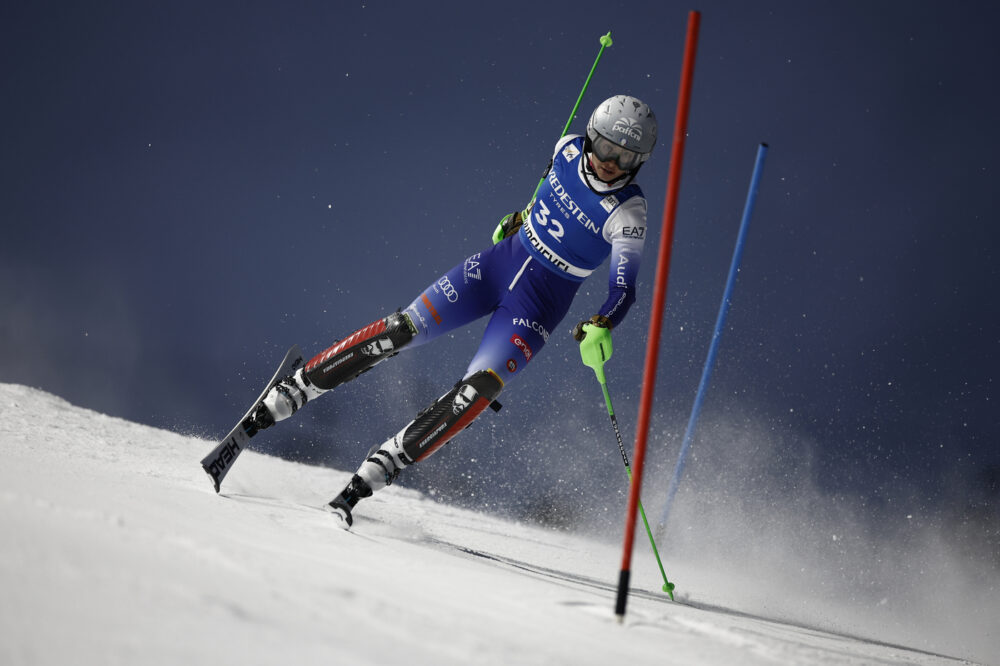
pixel 720 322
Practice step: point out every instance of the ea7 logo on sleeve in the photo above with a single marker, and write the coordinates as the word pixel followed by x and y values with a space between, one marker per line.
pixel 634 232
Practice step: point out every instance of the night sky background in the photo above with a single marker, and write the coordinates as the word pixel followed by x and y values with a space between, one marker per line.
pixel 187 189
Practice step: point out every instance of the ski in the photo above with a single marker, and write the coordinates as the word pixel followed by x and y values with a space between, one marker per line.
pixel 218 463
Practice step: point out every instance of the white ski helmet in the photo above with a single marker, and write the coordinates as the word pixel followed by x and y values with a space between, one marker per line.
pixel 624 128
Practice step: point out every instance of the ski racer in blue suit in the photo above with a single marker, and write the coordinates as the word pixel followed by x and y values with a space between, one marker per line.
pixel 587 208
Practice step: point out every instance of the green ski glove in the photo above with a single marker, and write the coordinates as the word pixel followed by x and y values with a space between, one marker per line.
pixel 594 337
pixel 510 223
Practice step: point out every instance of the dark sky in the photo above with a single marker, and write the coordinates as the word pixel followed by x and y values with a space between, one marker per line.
pixel 189 188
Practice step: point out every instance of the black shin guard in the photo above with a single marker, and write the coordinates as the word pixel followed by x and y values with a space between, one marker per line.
pixel 432 429
pixel 360 351
pixel 449 415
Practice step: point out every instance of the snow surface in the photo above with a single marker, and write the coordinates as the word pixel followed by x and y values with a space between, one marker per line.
pixel 116 550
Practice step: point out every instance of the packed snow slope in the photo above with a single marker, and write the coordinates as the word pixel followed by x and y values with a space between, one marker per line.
pixel 116 550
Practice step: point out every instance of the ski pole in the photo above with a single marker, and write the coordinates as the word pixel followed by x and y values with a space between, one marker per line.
pixel 498 233
pixel 595 350
pixel 605 42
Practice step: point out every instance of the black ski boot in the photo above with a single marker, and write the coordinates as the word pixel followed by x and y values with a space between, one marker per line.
pixel 259 419
pixel 342 505
pixel 433 427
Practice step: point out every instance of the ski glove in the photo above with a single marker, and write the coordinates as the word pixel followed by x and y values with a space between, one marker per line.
pixel 594 337
pixel 510 223
pixel 597 321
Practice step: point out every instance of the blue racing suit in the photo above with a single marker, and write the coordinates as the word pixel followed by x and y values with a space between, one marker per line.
pixel 527 281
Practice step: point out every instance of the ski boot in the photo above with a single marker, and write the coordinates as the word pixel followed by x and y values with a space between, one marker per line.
pixel 342 505
pixel 284 399
pixel 432 429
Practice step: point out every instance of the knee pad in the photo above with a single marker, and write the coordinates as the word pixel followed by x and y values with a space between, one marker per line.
pixel 360 351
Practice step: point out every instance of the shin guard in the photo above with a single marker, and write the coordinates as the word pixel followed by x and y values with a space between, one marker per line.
pixel 360 351
pixel 432 429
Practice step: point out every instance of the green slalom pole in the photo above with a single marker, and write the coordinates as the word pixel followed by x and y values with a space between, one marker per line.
pixel 595 350
pixel 605 42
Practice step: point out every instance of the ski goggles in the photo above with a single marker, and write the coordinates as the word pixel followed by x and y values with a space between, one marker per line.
pixel 605 151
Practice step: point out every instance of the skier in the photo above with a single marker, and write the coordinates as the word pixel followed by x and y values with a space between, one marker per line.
pixel 587 207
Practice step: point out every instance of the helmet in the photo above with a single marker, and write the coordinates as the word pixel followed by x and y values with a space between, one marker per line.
pixel 622 127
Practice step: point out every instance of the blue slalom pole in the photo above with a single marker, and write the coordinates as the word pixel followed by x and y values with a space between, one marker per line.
pixel 720 322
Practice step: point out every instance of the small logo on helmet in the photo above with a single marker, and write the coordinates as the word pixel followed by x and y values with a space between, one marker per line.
pixel 465 396
pixel 628 127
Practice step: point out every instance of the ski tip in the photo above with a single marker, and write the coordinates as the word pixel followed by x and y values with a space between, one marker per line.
pixel 216 482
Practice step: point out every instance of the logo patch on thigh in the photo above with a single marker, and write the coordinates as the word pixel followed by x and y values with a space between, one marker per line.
pixel 519 342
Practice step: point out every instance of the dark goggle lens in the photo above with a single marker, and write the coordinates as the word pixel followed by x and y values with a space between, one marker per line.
pixel 626 159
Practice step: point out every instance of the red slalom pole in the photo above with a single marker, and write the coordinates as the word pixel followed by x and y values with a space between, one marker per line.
pixel 659 300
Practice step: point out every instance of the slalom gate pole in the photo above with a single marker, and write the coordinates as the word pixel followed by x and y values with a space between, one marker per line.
pixel 659 298
pixel 605 42
pixel 720 323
